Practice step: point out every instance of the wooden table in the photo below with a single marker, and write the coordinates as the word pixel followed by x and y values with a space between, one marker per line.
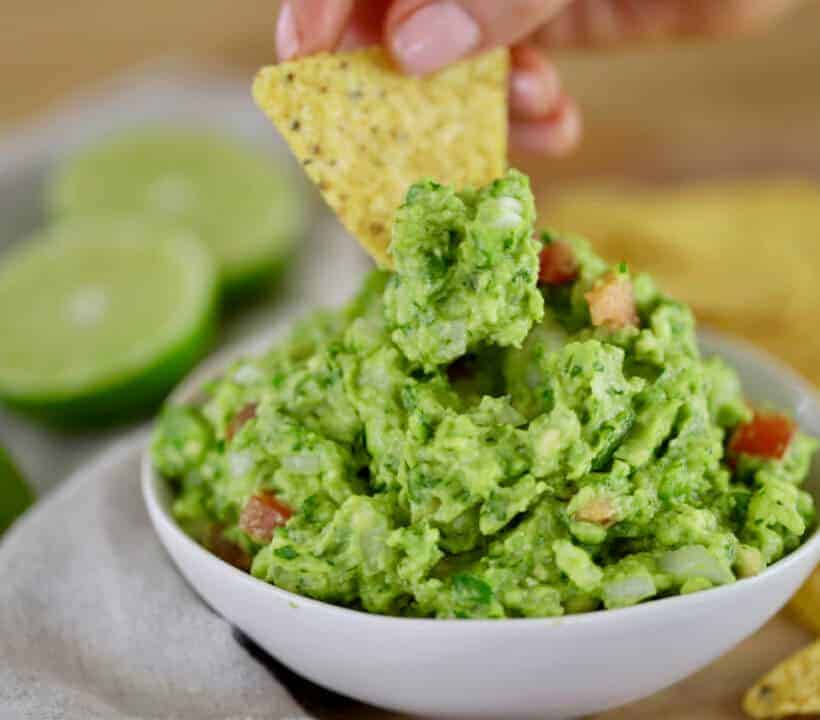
pixel 745 107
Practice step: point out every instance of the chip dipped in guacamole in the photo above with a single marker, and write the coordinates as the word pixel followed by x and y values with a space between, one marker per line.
pixel 505 426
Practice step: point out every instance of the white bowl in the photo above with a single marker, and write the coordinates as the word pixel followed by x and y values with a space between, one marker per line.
pixel 518 668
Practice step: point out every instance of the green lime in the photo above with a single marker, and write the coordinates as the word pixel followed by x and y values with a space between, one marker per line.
pixel 100 317
pixel 243 205
pixel 15 494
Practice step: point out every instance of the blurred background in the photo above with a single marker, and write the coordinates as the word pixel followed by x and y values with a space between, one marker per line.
pixel 738 105
pixel 700 163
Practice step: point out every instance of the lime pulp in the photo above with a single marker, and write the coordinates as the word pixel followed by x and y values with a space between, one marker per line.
pixel 243 206
pixel 101 316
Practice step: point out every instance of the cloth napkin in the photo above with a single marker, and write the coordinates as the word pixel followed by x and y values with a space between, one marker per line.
pixel 96 623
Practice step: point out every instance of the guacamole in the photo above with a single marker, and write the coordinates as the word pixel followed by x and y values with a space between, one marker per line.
pixel 504 427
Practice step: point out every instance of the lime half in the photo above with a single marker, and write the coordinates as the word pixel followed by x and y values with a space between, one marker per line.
pixel 100 317
pixel 15 494
pixel 244 206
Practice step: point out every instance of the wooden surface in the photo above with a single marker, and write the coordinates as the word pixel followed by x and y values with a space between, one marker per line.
pixel 747 107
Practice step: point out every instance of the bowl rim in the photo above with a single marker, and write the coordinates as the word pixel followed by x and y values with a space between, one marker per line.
pixel 159 513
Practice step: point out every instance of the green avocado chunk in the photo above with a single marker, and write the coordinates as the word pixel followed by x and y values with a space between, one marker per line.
pixel 466 268
pixel 460 441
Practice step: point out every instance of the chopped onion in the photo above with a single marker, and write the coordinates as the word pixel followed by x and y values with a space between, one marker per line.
pixel 240 463
pixel 629 590
pixel 694 561
pixel 302 463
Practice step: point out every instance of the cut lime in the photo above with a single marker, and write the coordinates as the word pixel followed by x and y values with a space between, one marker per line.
pixel 100 317
pixel 15 494
pixel 243 205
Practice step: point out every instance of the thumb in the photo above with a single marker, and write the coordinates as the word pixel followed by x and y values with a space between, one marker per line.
pixel 425 35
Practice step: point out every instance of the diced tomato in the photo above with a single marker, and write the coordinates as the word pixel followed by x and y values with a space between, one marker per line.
pixel 599 511
pixel 612 302
pixel 248 412
pixel 262 514
pixel 226 550
pixel 766 435
pixel 558 264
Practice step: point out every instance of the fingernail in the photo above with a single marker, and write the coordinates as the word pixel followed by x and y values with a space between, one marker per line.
pixel 567 127
pixel 533 94
pixel 556 135
pixel 287 39
pixel 434 36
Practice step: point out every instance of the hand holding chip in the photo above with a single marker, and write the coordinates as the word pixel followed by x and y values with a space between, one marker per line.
pixel 425 35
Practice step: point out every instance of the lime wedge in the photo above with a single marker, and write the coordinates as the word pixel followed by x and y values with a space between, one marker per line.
pixel 244 206
pixel 15 494
pixel 100 317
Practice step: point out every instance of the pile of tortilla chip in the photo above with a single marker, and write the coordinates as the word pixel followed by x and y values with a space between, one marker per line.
pixel 364 132
pixel 694 238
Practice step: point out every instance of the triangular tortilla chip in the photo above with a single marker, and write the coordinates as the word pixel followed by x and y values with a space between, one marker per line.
pixel 792 688
pixel 364 132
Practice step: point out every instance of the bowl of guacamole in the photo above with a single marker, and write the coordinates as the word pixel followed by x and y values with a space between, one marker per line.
pixel 505 426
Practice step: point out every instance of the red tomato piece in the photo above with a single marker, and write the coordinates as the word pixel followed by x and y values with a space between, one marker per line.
pixel 612 302
pixel 235 425
pixel 558 264
pixel 226 550
pixel 262 514
pixel 766 435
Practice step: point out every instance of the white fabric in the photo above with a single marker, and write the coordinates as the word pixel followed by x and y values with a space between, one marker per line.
pixel 97 623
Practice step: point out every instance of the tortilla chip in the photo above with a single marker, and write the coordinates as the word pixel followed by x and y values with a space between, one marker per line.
pixel 805 606
pixel 364 132
pixel 792 688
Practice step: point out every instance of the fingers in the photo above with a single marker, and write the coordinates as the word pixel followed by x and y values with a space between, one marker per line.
pixel 535 87
pixel 605 23
pixel 426 35
pixel 543 119
pixel 305 27
pixel 556 134
pixel 366 24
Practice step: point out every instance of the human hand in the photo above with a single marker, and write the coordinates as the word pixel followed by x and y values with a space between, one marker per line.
pixel 425 35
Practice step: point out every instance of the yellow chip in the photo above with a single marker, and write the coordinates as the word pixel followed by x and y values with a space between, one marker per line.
pixel 688 238
pixel 745 255
pixel 364 132
pixel 805 606
pixel 792 688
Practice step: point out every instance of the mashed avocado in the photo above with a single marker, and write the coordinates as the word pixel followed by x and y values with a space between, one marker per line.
pixel 504 427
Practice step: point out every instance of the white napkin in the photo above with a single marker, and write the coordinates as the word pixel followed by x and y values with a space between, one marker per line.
pixel 95 622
